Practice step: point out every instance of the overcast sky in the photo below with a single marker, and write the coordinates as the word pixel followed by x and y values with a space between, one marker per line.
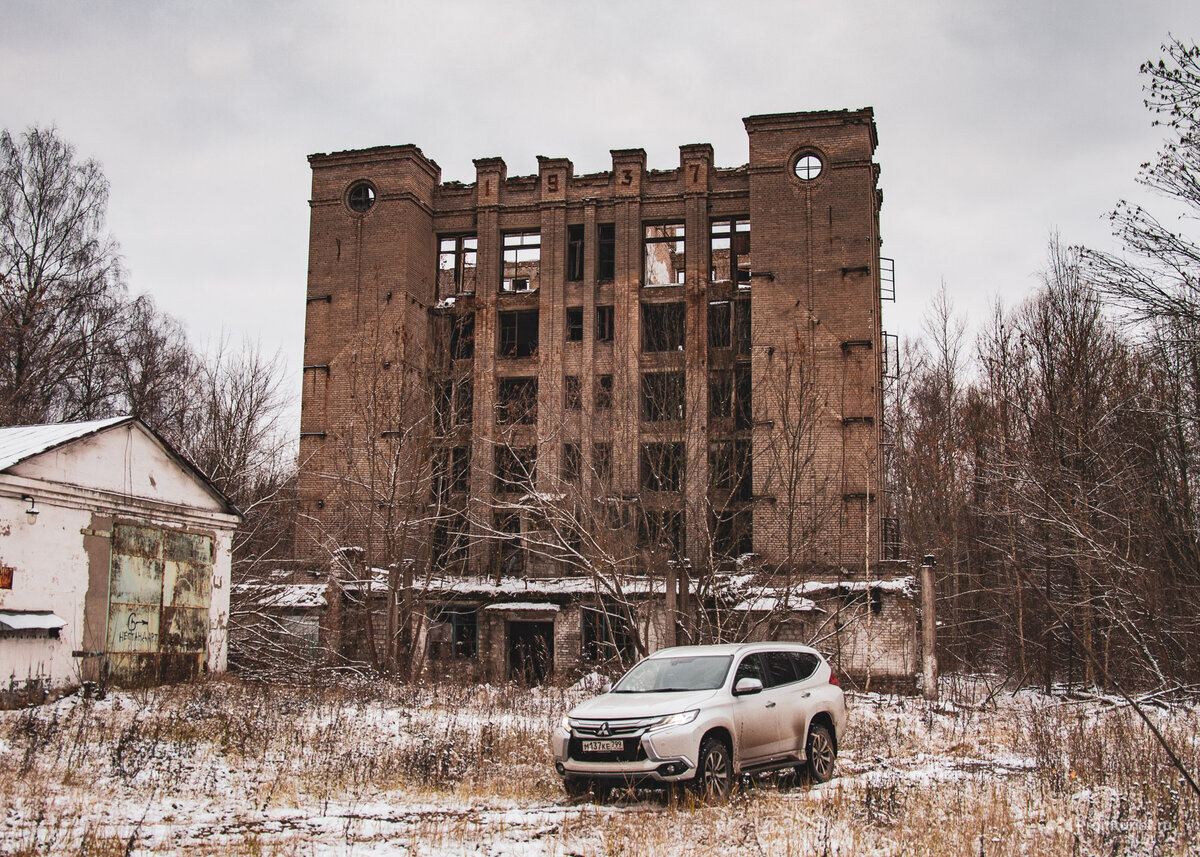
pixel 998 121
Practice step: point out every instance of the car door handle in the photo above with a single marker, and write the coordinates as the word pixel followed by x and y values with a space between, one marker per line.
pixel 805 695
pixel 770 705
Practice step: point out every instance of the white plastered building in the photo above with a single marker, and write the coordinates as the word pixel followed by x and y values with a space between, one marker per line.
pixel 115 556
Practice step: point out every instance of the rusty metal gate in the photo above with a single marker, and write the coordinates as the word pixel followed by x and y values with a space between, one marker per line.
pixel 160 589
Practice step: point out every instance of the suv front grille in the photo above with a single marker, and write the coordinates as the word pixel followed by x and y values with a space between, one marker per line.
pixel 631 751
pixel 612 728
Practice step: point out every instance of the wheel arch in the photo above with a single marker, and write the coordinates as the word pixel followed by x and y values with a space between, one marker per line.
pixel 824 718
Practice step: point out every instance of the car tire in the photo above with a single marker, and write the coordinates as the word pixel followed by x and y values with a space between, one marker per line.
pixel 714 777
pixel 819 752
pixel 575 787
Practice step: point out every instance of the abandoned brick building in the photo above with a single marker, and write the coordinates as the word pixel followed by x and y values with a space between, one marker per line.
pixel 571 416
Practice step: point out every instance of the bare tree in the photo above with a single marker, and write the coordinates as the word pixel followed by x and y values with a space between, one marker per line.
pixel 59 278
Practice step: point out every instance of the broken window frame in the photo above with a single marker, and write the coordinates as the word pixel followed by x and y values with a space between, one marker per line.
pixel 663 396
pixel 575 234
pixel 453 404
pixel 517 400
pixel 661 528
pixel 574 324
pixel 517 333
pixel 451 473
pixel 514 469
pixel 457 264
pixel 720 393
pixel 741 327
pixel 604 635
pixel 572 393
pixel 604 322
pixel 720 324
pixel 604 392
pixel 729 245
pixel 657 239
pixel 450 540
pixel 572 462
pixel 510 546
pixel 663 465
pixel 664 327
pixel 602 466
pixel 606 252
pixel 521 261
pixel 733 532
pixel 462 336
pixel 731 469
pixel 463 632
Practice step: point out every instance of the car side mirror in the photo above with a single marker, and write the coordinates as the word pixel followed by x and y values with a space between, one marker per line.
pixel 606 687
pixel 746 686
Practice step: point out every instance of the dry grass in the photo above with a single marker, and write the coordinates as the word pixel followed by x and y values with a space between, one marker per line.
pixel 222 767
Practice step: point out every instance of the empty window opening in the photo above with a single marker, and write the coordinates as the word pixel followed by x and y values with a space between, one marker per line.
pixel 575 253
pixel 733 533
pixel 510 553
pixel 462 337
pixel 741 326
pixel 664 254
pixel 731 251
pixel 605 636
pixel 514 469
pixel 575 324
pixel 730 468
pixel 451 473
pixel 743 404
pixel 602 462
pixel 457 262
pixel 720 319
pixel 453 632
pixel 662 396
pixel 453 404
pixel 664 327
pixel 519 333
pixel 573 395
pixel 450 540
pixel 859 598
pixel 720 393
pixel 662 466
pixel 522 261
pixel 604 323
pixel 516 400
pixel 604 391
pixel 572 463
pixel 661 529
pixel 606 253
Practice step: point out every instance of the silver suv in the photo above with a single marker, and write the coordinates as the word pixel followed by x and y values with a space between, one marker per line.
pixel 705 715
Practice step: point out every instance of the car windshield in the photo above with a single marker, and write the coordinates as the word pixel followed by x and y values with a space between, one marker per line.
pixel 666 675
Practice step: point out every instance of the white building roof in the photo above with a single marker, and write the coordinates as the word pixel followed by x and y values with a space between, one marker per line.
pixel 18 443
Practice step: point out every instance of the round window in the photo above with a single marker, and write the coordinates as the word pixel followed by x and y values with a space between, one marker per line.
pixel 361 197
pixel 808 167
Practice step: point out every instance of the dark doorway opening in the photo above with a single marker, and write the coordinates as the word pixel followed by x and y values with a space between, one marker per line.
pixel 530 651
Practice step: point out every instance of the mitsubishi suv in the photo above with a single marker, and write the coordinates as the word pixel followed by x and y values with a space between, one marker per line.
pixel 705 715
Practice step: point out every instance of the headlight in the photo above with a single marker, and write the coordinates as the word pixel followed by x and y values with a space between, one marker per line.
pixel 565 723
pixel 677 719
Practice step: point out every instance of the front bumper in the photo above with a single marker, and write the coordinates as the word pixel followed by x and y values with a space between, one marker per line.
pixel 669 755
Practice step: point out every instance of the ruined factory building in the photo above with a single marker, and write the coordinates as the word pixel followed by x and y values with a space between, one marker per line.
pixel 114 558
pixel 669 376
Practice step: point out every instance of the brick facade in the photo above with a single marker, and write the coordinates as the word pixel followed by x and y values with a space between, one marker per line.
pixel 721 402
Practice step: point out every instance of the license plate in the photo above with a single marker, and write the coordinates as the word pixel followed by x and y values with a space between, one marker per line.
pixel 603 746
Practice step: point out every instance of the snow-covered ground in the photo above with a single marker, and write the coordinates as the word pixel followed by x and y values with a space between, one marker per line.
pixel 222 767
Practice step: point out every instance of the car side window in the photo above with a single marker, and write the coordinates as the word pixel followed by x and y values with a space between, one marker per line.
pixel 804 663
pixel 779 668
pixel 750 667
